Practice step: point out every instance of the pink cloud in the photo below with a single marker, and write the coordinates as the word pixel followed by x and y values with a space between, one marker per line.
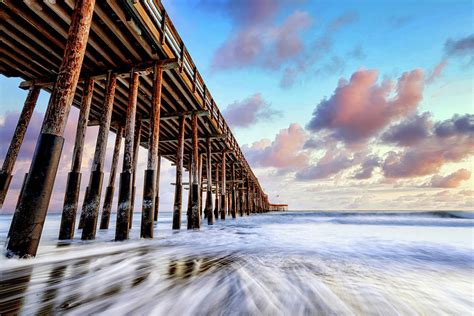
pixel 284 153
pixel 249 111
pixel 427 158
pixel 437 71
pixel 450 181
pixel 330 164
pixel 361 108
pixel 255 41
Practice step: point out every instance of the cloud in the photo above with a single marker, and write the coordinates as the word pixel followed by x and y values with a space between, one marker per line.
pixel 255 40
pixel 357 53
pixel 333 162
pixel 284 153
pixel 316 53
pixel 456 125
pixel 437 71
pixel 463 47
pixel 427 158
pixel 410 131
pixel 249 111
pixel 367 168
pixel 450 181
pixel 361 108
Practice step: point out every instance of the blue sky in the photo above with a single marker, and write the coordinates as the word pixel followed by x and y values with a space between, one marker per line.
pixel 424 47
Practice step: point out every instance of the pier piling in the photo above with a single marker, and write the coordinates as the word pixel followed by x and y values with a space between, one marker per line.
pixel 73 184
pixel 92 200
pixel 178 193
pixel 125 187
pixel 32 207
pixel 149 187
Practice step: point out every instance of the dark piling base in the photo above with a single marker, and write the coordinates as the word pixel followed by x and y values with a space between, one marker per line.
pixel 92 204
pixel 31 211
pixel 68 218
pixel 105 217
pixel 83 210
pixel 124 206
pixel 146 230
pixel 194 214
pixel 223 206
pixel 208 211
pixel 5 179
pixel 132 207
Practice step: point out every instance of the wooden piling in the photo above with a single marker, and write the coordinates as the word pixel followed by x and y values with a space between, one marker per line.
pixel 149 187
pixel 73 185
pixel 92 200
pixel 109 192
pixel 17 140
pixel 125 188
pixel 233 193
pixel 217 204
pixel 223 187
pixel 208 209
pixel 32 207
pixel 178 194
pixel 194 219
pixel 136 149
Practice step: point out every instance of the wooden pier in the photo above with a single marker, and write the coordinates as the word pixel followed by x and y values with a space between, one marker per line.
pixel 123 64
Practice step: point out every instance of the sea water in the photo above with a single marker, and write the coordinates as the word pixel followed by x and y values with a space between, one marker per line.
pixel 289 263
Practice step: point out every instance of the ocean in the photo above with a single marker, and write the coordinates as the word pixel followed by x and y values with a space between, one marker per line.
pixel 288 263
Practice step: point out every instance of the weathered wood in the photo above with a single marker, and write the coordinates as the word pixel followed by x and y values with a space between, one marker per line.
pixel 233 193
pixel 17 140
pixel 223 201
pixel 218 193
pixel 73 185
pixel 143 68
pixel 149 187
pixel 92 200
pixel 178 194
pixel 136 150
pixel 109 192
pixel 208 210
pixel 125 188
pixel 32 207
pixel 194 219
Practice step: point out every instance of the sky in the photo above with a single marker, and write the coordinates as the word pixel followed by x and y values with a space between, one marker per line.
pixel 337 105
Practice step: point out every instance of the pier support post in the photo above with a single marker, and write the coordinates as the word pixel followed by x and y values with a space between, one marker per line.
pixel 247 196
pixel 241 194
pixel 125 186
pixel 223 187
pixel 233 193
pixel 109 192
pixel 157 189
pixel 136 148
pixel 33 205
pixel 17 140
pixel 149 187
pixel 194 219
pixel 92 200
pixel 200 181
pixel 178 193
pixel 208 210
pixel 216 208
pixel 73 185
